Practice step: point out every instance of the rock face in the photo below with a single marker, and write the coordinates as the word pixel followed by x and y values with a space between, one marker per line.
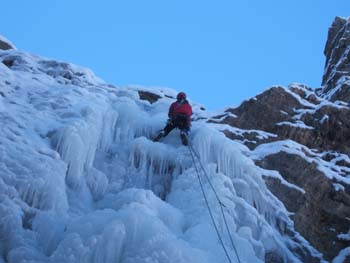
pixel 305 136
pixel 289 113
pixel 320 214
pixel 149 96
pixel 336 78
pixel 296 113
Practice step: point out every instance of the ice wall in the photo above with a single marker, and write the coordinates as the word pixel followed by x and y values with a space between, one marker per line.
pixel 81 181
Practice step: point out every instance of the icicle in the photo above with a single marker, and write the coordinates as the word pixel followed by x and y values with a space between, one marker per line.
pixel 156 162
pixel 260 209
pixel 77 145
pixel 108 132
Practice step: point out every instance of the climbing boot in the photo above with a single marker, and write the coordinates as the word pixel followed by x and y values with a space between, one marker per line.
pixel 184 139
pixel 158 137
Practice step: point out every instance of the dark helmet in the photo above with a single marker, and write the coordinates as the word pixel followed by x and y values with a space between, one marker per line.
pixel 181 95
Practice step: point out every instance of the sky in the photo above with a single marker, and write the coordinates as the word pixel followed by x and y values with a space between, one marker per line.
pixel 219 52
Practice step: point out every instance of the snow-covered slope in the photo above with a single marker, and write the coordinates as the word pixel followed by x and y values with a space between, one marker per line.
pixel 81 181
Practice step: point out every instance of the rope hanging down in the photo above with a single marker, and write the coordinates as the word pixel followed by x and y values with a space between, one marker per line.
pixel 193 155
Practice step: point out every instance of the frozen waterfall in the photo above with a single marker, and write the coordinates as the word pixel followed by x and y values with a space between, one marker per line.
pixel 81 180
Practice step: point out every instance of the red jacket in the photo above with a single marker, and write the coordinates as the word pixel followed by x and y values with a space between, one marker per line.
pixel 181 108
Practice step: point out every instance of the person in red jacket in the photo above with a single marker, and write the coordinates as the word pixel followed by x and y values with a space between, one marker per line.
pixel 179 115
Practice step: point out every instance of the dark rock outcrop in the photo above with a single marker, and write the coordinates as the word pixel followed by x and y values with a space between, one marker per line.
pixel 336 78
pixel 317 125
pixel 321 213
pixel 5 44
pixel 331 128
pixel 274 105
pixel 149 96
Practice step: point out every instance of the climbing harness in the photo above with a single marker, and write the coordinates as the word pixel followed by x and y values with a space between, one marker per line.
pixel 193 155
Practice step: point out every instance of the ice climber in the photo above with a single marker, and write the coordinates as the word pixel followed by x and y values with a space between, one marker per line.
pixel 179 115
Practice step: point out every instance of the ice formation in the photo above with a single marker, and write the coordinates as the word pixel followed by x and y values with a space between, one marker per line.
pixel 81 180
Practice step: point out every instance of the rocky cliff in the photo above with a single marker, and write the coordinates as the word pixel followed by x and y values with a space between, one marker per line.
pixel 336 80
pixel 318 124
